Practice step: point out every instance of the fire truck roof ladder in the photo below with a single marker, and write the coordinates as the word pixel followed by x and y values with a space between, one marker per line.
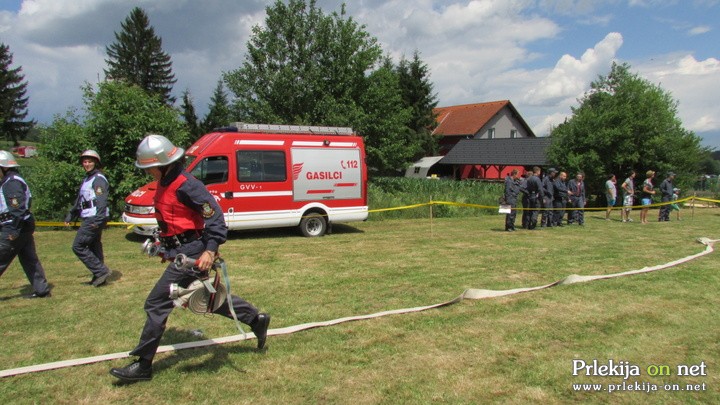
pixel 304 129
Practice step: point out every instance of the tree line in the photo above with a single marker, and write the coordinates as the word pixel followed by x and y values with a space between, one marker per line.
pixel 307 67
pixel 626 123
pixel 303 67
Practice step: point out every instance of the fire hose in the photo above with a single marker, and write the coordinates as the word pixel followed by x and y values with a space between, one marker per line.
pixel 202 296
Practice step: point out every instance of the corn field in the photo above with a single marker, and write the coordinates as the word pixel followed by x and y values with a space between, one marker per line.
pixel 391 192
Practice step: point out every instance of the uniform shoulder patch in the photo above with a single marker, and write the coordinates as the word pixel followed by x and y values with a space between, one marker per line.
pixel 14 202
pixel 99 191
pixel 207 210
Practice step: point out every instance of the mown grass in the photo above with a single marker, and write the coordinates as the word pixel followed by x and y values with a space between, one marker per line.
pixel 516 349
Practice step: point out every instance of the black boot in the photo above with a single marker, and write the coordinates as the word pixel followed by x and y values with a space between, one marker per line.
pixel 260 328
pixel 136 371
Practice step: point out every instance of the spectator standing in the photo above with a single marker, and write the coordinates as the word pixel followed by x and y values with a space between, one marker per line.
pixel 560 198
pixel 675 206
pixel 576 194
pixel 534 191
pixel 547 198
pixel 610 194
pixel 512 190
pixel 648 191
pixel 666 191
pixel 628 187
pixel 525 199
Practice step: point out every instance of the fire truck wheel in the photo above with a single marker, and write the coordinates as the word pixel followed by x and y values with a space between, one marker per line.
pixel 313 224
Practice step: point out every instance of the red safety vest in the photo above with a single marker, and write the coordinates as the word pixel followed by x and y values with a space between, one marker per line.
pixel 176 216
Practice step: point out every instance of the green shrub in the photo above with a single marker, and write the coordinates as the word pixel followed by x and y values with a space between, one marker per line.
pixel 117 118
pixel 54 186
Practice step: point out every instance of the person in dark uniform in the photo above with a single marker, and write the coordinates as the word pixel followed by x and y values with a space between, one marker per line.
pixel 191 222
pixel 548 196
pixel 92 207
pixel 560 198
pixel 17 225
pixel 534 192
pixel 525 200
pixel 666 191
pixel 512 190
pixel 576 194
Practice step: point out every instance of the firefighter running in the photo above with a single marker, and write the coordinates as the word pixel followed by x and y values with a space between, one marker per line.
pixel 192 223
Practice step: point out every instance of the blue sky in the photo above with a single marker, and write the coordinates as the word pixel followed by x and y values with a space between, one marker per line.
pixel 539 54
pixel 648 30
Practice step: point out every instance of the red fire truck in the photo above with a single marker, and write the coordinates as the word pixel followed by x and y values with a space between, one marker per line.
pixel 268 176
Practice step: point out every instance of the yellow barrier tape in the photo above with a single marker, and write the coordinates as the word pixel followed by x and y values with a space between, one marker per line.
pixel 703 199
pixel 400 208
pixel 492 207
pixel 76 223
pixel 495 207
pixel 431 203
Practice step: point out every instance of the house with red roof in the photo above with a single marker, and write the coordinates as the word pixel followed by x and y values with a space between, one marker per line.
pixel 487 140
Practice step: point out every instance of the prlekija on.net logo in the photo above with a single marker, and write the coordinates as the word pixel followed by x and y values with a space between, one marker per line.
pixel 626 369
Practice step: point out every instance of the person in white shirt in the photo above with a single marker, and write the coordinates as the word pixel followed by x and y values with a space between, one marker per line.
pixel 628 187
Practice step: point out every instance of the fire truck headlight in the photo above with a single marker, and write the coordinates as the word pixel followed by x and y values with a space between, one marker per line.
pixel 139 209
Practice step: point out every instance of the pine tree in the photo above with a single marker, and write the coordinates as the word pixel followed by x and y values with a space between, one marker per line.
pixel 219 114
pixel 190 117
pixel 417 94
pixel 136 57
pixel 13 99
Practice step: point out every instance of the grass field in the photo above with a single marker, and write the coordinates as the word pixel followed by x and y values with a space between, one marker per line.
pixel 516 349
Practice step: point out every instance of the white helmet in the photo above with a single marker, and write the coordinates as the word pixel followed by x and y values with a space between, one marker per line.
pixel 90 153
pixel 7 159
pixel 156 150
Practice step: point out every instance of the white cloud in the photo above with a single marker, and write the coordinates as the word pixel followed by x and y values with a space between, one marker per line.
pixel 694 83
pixel 548 123
pixel 573 7
pixel 570 76
pixel 467 45
pixel 6 20
pixel 599 20
pixel 699 30
pixel 651 3
pixel 706 123
pixel 60 44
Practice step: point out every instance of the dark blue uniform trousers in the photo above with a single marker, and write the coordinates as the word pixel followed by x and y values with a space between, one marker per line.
pixel 578 215
pixel 510 218
pixel 664 213
pixel 24 248
pixel 88 247
pixel 548 215
pixel 158 304
pixel 559 212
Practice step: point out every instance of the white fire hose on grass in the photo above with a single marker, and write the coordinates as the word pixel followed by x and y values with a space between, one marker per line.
pixel 473 294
